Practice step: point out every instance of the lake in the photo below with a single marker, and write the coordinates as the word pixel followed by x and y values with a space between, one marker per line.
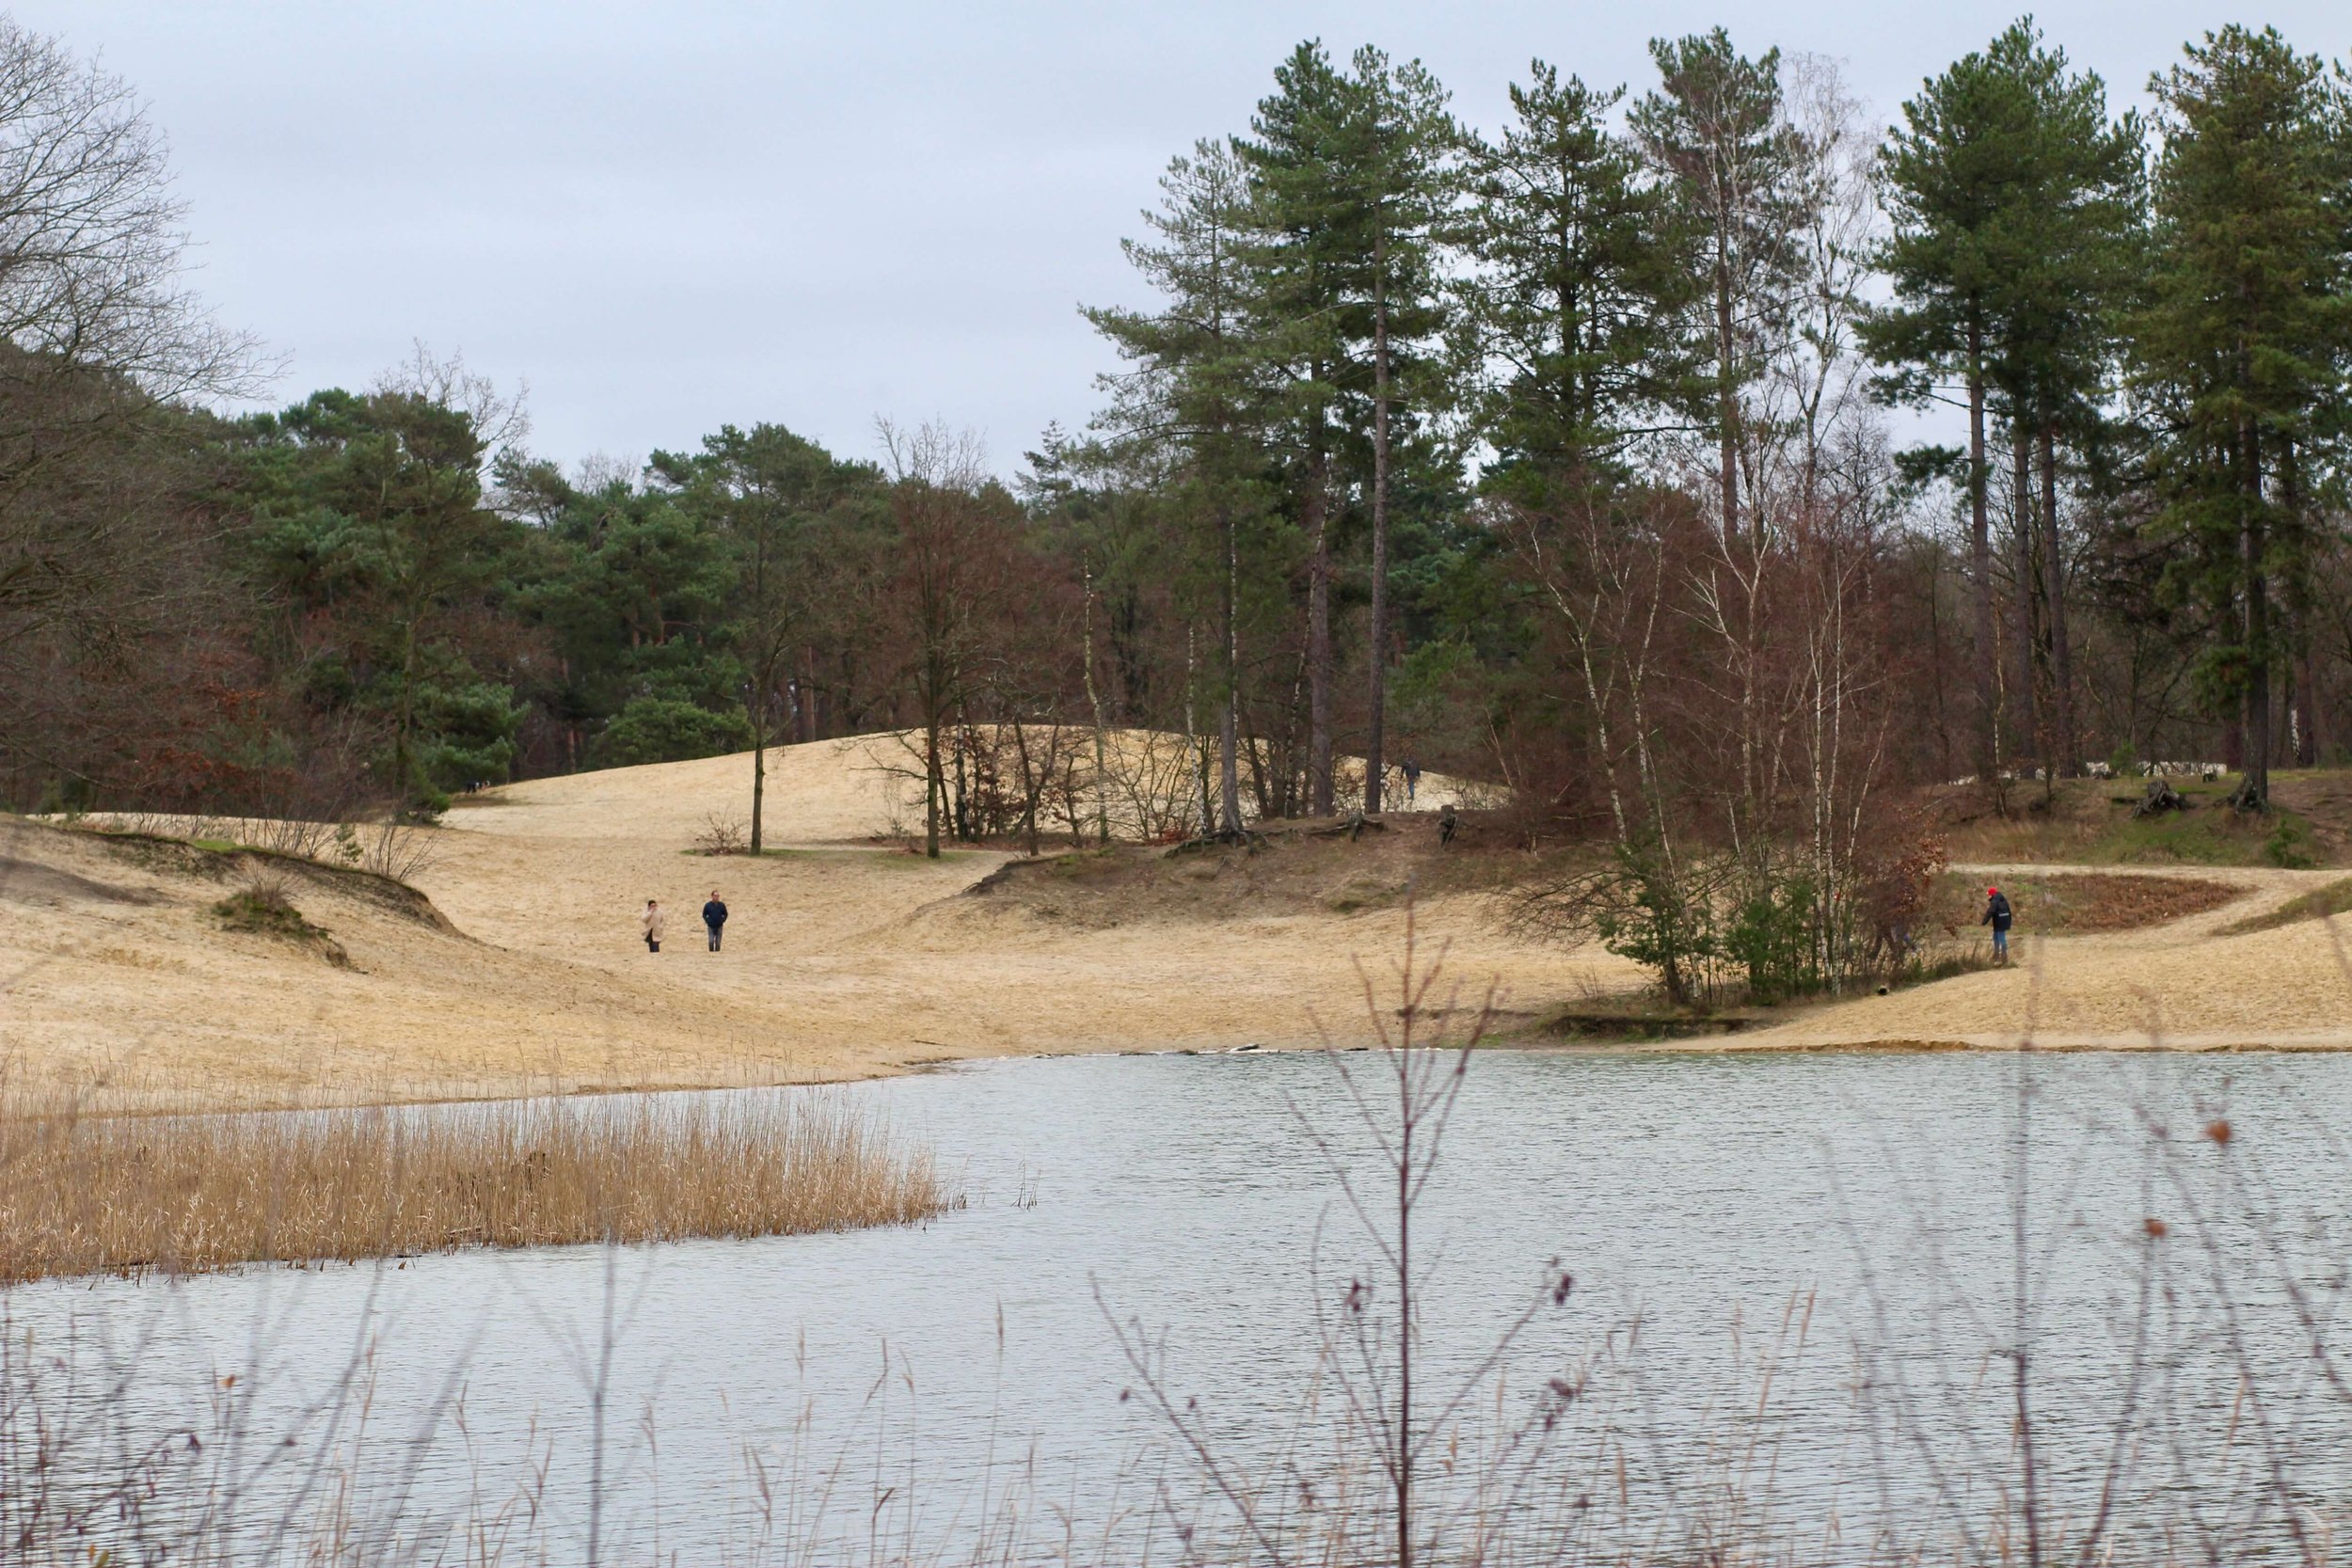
pixel 1794 1302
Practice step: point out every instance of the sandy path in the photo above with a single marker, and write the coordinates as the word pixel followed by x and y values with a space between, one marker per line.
pixel 2180 986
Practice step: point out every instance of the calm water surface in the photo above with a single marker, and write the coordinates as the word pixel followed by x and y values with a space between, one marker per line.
pixel 1700 1195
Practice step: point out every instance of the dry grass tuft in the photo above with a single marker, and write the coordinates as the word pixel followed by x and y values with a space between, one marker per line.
pixel 261 908
pixel 84 1192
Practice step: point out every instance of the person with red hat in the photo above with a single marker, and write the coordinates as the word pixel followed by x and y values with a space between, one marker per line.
pixel 1997 915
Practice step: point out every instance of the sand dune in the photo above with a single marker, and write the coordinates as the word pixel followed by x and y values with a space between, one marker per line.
pixel 847 958
pixel 119 971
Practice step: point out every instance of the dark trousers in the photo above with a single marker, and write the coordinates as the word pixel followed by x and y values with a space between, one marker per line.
pixel 714 931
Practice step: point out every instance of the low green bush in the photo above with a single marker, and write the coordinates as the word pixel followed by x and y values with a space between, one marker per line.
pixel 665 729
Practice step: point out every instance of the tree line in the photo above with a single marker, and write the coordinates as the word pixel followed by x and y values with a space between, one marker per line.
pixel 1564 453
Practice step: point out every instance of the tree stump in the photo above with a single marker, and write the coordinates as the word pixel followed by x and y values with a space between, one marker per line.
pixel 2161 798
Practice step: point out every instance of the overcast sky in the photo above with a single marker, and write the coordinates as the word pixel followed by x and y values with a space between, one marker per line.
pixel 664 217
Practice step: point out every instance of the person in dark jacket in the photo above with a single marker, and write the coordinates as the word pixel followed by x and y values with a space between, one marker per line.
pixel 1997 915
pixel 714 918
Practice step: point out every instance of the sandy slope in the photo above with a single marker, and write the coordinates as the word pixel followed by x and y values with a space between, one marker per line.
pixel 845 959
pixel 841 959
pixel 2180 986
pixel 115 972
pixel 826 937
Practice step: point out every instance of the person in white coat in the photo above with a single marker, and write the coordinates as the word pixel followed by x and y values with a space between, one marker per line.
pixel 652 922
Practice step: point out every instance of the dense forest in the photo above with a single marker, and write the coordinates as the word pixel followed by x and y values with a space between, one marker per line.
pixel 1569 453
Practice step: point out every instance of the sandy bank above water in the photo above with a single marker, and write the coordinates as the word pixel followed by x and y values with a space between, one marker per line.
pixel 847 959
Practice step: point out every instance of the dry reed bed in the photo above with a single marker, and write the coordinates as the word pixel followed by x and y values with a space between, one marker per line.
pixel 85 1193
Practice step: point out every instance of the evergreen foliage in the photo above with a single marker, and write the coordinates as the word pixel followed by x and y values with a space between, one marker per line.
pixel 1547 453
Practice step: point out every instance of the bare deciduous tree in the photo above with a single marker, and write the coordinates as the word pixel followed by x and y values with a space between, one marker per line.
pixel 955 558
pixel 97 325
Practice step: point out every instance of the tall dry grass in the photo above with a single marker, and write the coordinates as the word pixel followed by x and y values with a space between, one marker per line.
pixel 86 1193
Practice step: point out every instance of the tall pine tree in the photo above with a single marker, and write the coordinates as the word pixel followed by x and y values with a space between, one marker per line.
pixel 1573 295
pixel 1396 162
pixel 1197 393
pixel 2062 308
pixel 1304 233
pixel 1737 172
pixel 1956 178
pixel 2242 350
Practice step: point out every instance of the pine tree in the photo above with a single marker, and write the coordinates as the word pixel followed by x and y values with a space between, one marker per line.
pixel 1396 162
pixel 771 497
pixel 1305 229
pixel 1956 179
pixel 1573 294
pixel 1736 170
pixel 2062 305
pixel 1197 391
pixel 2242 350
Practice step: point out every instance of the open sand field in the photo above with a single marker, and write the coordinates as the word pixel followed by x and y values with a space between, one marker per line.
pixel 847 958
pixel 843 957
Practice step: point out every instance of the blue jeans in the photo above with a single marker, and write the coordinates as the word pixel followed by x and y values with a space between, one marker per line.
pixel 2000 942
pixel 714 931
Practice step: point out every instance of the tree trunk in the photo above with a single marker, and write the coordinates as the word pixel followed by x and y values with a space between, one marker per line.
pixel 1318 632
pixel 1260 785
pixel 2065 761
pixel 809 696
pixel 1935 662
pixel 2022 508
pixel 932 783
pixel 1375 731
pixel 961 817
pixel 759 769
pixel 2307 750
pixel 1229 729
pixel 2254 794
pixel 2304 737
pixel 1727 395
pixel 1193 737
pixel 1981 558
pixel 403 760
pixel 1094 703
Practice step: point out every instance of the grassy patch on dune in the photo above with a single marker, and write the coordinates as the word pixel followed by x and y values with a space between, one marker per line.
pixel 2321 903
pixel 2078 903
pixel 2211 834
pixel 261 908
pixel 2091 821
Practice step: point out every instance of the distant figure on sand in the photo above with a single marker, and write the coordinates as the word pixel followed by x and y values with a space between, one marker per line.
pixel 1448 820
pixel 653 924
pixel 714 918
pixel 1412 781
pixel 1997 915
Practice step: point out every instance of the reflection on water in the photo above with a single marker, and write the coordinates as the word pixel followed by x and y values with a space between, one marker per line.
pixel 1700 1195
